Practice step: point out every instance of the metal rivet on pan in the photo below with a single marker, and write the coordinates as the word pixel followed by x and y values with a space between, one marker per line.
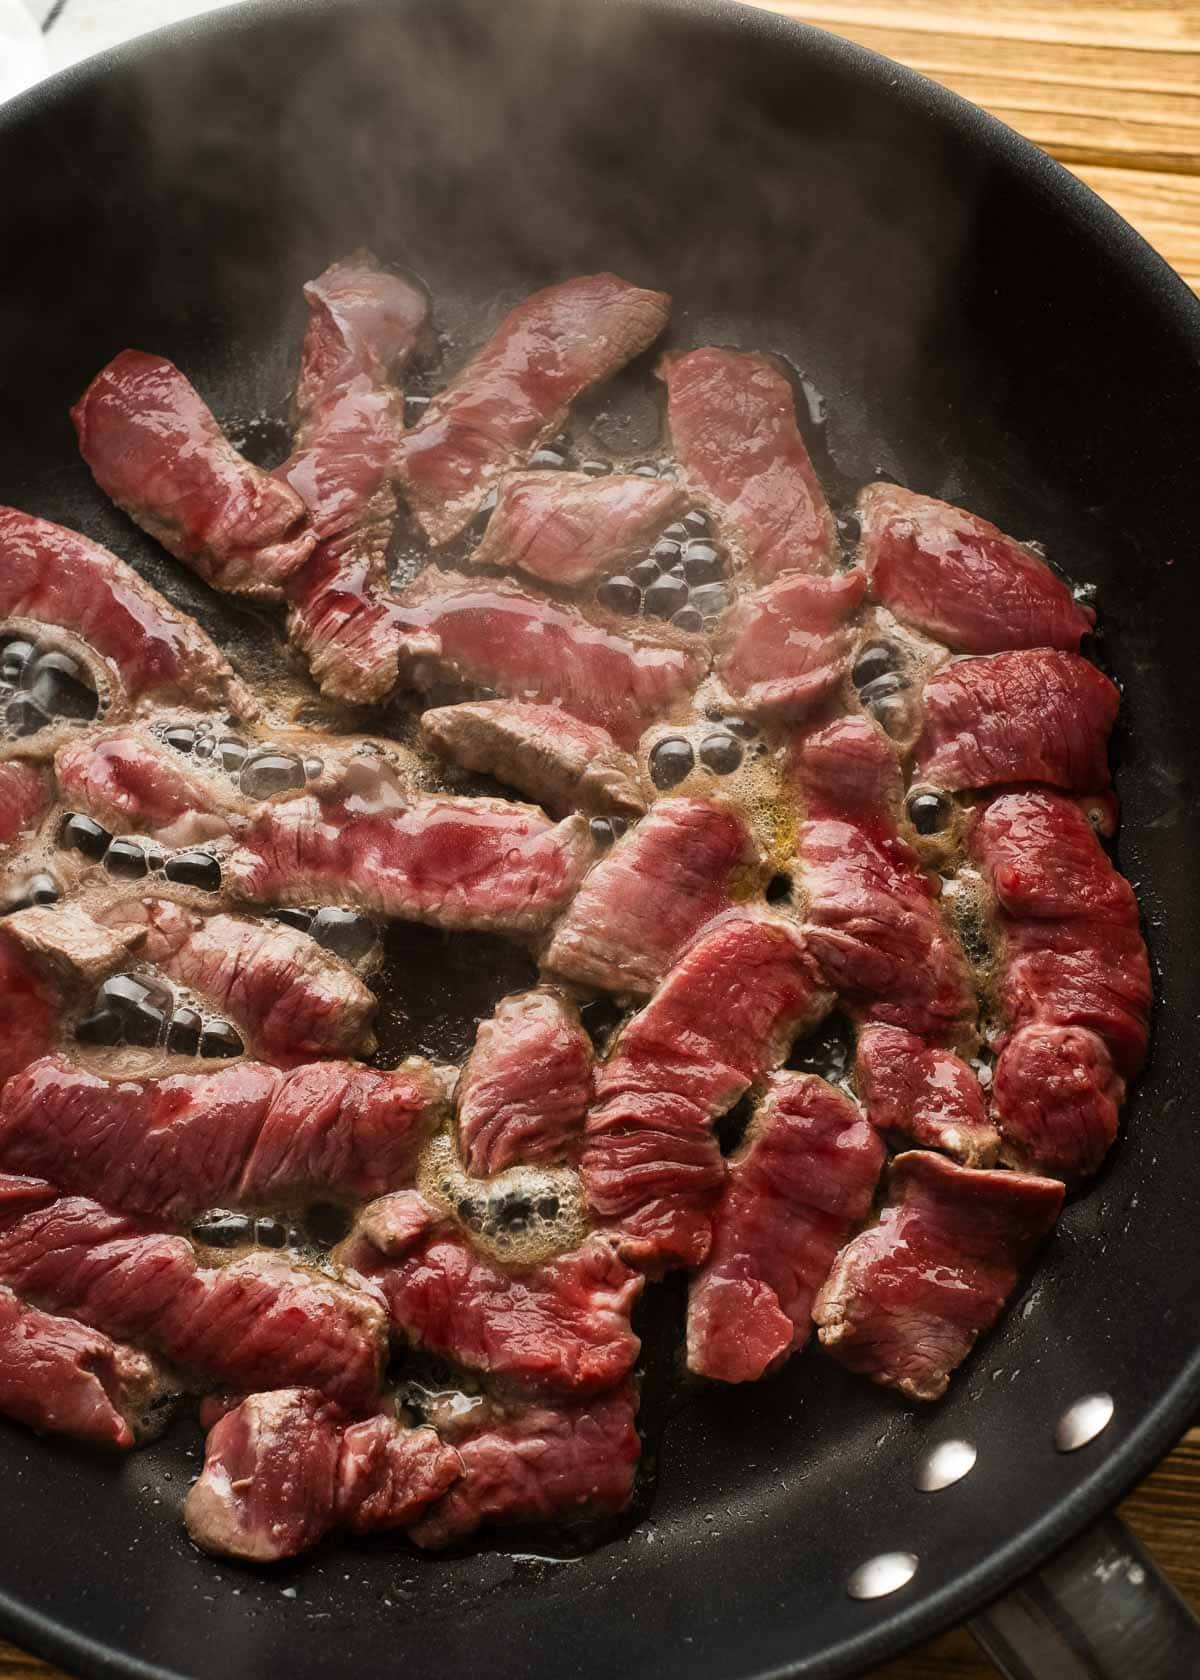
pixel 944 1465
pixel 882 1575
pixel 1083 1421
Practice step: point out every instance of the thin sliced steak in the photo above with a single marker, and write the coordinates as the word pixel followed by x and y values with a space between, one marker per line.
pixel 803 1177
pixel 30 1009
pixel 960 580
pixel 927 1095
pixel 725 1016
pixel 455 863
pixel 658 887
pixel 55 576
pixel 525 1090
pixel 733 424
pixel 495 634
pixel 517 391
pixel 129 780
pixel 59 1377
pixel 258 1322
pixel 784 648
pixel 25 794
pixel 283 1469
pixel 156 450
pixel 1057 1099
pixel 68 947
pixel 363 322
pixel 538 1463
pixel 542 751
pixel 1037 715
pixel 350 632
pixel 907 1299
pixel 174 1146
pixel 1044 861
pixel 1080 973
pixel 568 528
pixel 559 1327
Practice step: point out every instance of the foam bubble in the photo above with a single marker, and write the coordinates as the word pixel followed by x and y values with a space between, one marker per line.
pixel 518 1217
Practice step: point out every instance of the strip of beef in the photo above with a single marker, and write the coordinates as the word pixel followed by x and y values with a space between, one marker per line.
pixel 1057 1098
pixel 872 925
pixel 1080 973
pixel 929 1095
pixel 960 580
pixel 538 1463
pixel 784 646
pixel 455 863
pixel 156 450
pixel 494 634
pixel 653 893
pixel 724 1017
pixel 363 322
pixel 1044 861
pixel 907 1299
pixel 294 999
pixel 542 751
pixel 62 1378
pixel 129 780
pixel 733 423
pixel 803 1177
pixel 525 1089
pixel 568 528
pixel 25 794
pixel 174 1146
pixel 350 632
pixel 517 390
pixel 55 576
pixel 1036 715
pixel 258 1322
pixel 558 1327
pixel 47 957
pixel 283 1469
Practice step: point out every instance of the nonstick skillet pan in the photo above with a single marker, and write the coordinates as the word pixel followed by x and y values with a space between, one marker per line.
pixel 981 328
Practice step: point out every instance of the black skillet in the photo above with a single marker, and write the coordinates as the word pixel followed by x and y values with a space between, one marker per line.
pixel 981 327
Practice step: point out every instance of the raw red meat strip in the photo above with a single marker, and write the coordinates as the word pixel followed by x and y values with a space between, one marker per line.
pixel 526 1086
pixel 568 528
pixel 917 1091
pixel 130 780
pixel 784 648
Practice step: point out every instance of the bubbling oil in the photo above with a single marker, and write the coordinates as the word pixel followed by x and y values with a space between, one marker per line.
pixel 518 1217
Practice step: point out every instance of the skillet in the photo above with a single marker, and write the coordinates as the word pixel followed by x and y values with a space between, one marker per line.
pixel 981 328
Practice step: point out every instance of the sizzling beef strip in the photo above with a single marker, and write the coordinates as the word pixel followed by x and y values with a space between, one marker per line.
pixel 558 1327
pixel 24 799
pixel 495 634
pixel 872 925
pixel 156 450
pixel 363 325
pixel 525 1089
pixel 294 999
pixel 1074 982
pixel 58 1376
pixel 1037 715
pixel 784 648
pixel 282 1469
pixel 960 580
pixel 455 863
pixel 568 528
pixel 55 576
pixel 258 1322
pixel 541 751
pixel 517 391
pixel 538 1463
pixel 906 1299
pixel 725 1016
pixel 803 1177
pixel 643 903
pixel 174 1146
pixel 733 425
pixel 928 1095
pixel 130 780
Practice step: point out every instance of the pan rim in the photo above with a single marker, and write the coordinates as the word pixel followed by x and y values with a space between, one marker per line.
pixel 889 1631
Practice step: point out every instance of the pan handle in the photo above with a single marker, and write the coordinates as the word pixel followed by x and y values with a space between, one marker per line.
pixel 1100 1611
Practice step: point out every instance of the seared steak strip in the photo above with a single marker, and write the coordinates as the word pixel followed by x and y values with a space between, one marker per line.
pixel 129 780
pixel 931 1096
pixel 282 1469
pixel 568 528
pixel 784 647
pixel 803 1177
pixel 258 1322
pixel 558 1327
pixel 171 1147
pixel 525 1089
pixel 517 391
pixel 725 1016
pixel 55 576
pixel 156 450
pixel 733 424
pixel 960 580
pixel 538 1463
pixel 907 1299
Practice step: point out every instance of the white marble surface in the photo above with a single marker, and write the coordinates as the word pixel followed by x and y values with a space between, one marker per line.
pixel 75 29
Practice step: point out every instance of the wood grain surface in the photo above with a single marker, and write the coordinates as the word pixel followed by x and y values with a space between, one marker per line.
pixel 1112 89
